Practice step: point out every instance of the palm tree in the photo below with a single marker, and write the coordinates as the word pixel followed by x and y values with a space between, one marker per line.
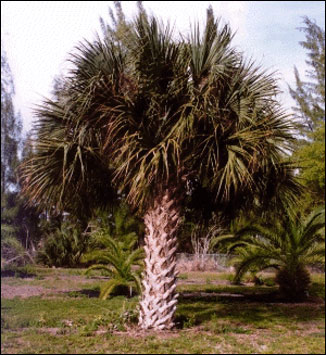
pixel 288 246
pixel 120 257
pixel 159 114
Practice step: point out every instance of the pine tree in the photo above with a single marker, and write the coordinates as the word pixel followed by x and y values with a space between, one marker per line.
pixel 310 107
pixel 18 222
pixel 11 127
pixel 310 96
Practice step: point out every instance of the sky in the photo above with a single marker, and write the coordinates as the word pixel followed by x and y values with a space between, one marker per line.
pixel 38 35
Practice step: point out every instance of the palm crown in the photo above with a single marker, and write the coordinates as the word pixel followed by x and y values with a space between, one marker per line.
pixel 158 113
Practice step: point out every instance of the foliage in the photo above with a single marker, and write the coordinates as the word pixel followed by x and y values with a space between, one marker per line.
pixel 310 100
pixel 288 246
pixel 9 212
pixel 64 246
pixel 17 231
pixel 311 155
pixel 12 252
pixel 120 28
pixel 11 127
pixel 154 112
pixel 11 249
pixel 310 96
pixel 118 259
pixel 117 222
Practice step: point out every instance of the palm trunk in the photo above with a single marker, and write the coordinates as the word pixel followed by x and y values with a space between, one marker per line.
pixel 159 298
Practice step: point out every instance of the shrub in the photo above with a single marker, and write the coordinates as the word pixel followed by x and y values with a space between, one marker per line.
pixel 64 246
pixel 13 253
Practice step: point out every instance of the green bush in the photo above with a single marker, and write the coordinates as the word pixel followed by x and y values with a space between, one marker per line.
pixel 13 253
pixel 64 246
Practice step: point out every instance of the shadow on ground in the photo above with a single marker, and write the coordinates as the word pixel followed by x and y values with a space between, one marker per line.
pixel 231 297
pixel 17 273
pixel 253 309
pixel 95 293
pixel 88 293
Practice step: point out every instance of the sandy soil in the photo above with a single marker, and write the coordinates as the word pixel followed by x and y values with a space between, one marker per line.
pixel 24 291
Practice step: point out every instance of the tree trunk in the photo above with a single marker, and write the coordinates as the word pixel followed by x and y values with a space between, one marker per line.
pixel 159 299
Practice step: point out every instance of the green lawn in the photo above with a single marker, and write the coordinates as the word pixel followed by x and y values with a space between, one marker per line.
pixel 213 316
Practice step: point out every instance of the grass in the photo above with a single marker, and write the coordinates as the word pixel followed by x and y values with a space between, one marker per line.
pixel 71 319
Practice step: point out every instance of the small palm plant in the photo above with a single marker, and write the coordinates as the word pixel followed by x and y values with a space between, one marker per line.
pixel 118 259
pixel 288 246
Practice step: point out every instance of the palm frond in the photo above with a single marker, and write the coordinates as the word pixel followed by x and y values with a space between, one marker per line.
pixel 99 267
pixel 109 287
pixel 147 111
pixel 290 244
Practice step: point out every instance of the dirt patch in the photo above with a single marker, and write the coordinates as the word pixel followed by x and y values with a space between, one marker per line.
pixel 135 332
pixel 57 285
pixel 23 291
pixel 52 331
pixel 76 278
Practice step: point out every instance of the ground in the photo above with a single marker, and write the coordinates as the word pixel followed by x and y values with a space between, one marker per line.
pixel 58 311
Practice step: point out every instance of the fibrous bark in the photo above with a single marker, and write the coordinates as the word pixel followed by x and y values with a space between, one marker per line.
pixel 159 299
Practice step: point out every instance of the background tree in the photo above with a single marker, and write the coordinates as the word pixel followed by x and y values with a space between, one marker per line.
pixel 159 114
pixel 310 107
pixel 11 127
pixel 10 139
pixel 19 223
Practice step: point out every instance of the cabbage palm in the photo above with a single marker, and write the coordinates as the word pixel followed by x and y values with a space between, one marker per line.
pixel 159 114
pixel 288 246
